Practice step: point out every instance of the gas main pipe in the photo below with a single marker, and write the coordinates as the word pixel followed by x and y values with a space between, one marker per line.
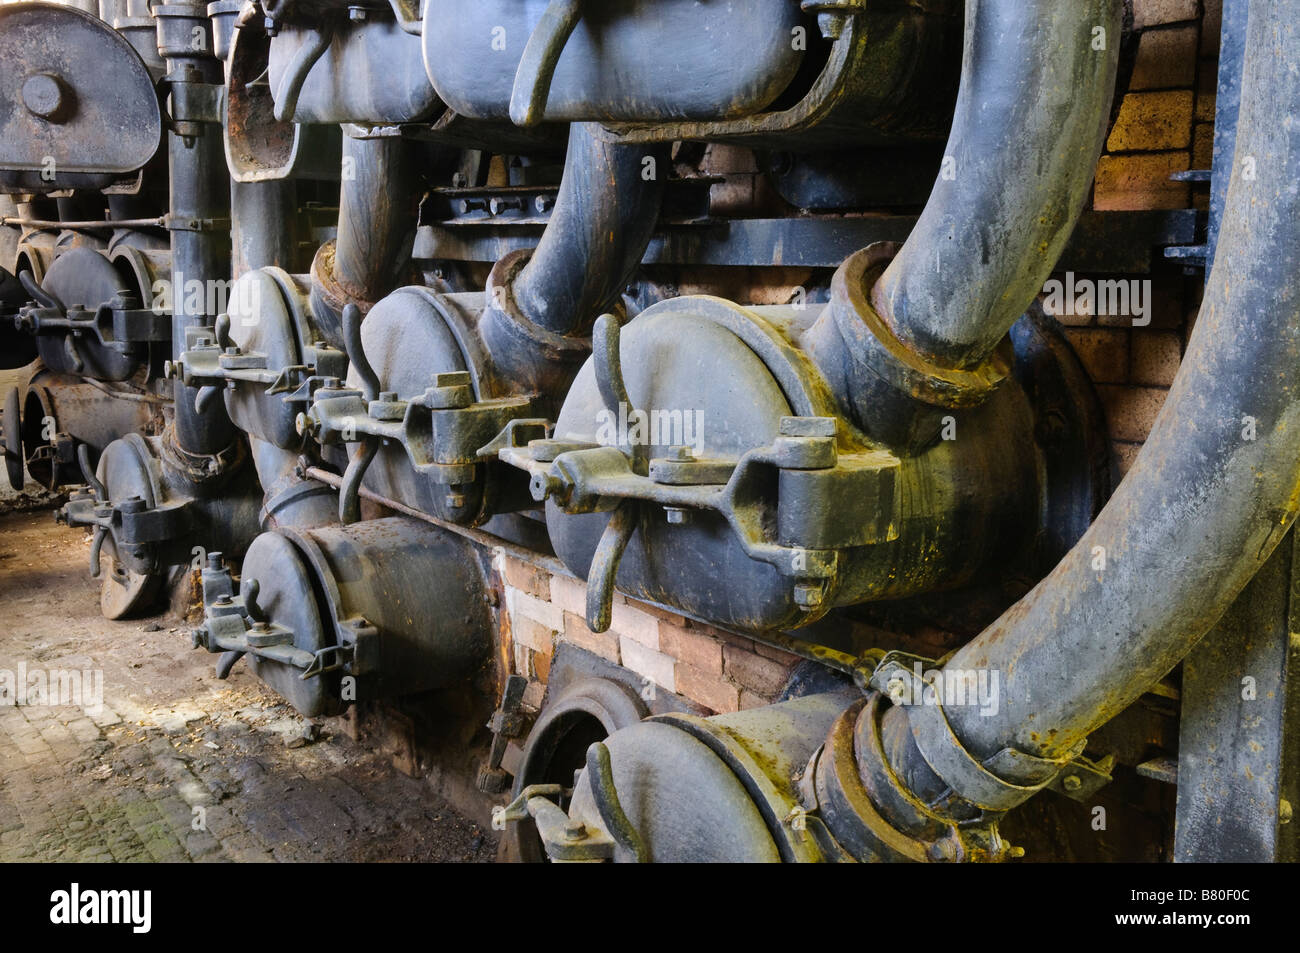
pixel 907 340
pixel 1037 83
pixel 1213 491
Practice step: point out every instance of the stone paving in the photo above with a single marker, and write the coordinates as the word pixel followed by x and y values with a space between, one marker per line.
pixel 176 765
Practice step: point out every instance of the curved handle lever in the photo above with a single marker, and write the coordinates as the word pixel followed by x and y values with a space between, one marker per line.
pixel 88 473
pixel 251 589
pixel 96 545
pixel 286 97
pixel 537 66
pixel 352 319
pixel 606 357
pixel 221 328
pixel 604 565
pixel 39 294
pixel 350 490
pixel 601 776
pixel 226 662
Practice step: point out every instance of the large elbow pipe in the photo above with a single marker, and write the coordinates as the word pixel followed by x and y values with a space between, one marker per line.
pixel 603 218
pixel 1036 89
pixel 379 204
pixel 1213 491
pixel 908 339
pixel 542 302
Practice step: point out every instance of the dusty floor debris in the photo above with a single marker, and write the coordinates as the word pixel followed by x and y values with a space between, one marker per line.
pixel 176 765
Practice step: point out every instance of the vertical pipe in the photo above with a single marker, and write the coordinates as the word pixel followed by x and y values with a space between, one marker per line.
pixel 603 218
pixel 378 209
pixel 199 206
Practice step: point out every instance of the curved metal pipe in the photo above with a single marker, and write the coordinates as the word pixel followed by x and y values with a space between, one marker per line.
pixel 599 229
pixel 379 205
pixel 1213 491
pixel 1038 77
pixel 378 208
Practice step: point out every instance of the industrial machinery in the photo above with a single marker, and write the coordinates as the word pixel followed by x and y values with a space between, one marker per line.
pixel 541 365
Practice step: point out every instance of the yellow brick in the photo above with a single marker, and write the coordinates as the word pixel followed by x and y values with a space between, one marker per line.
pixel 1152 122
pixel 1140 182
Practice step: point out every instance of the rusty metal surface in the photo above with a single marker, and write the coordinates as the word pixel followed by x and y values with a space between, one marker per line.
pixel 76 101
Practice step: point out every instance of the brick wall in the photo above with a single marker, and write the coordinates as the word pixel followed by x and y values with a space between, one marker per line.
pixel 1164 125
pixel 719 670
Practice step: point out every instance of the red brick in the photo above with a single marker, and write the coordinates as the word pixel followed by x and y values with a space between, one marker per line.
pixel 776 654
pixel 697 649
pixel 628 620
pixel 1156 355
pixel 711 691
pixel 1103 351
pixel 604 644
pixel 531 579
pixel 752 671
pixel 1153 122
pixel 648 662
pixel 750 700
pixel 569 594
pixel 1131 411
pixel 1155 12
pixel 1126 183
pixel 1166 59
pixel 542 665
pixel 532 633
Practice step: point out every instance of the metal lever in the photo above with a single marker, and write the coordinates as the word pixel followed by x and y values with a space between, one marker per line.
pixel 607 359
pixel 88 473
pixel 350 491
pixel 601 775
pixel 39 294
pixel 286 97
pixel 541 56
pixel 352 319
pixel 604 565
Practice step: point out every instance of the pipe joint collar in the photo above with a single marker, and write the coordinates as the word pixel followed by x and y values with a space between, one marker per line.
pixel 872 814
pixel 981 783
pixel 501 300
pixel 876 351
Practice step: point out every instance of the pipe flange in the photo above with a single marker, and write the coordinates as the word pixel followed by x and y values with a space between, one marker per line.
pixel 873 343
pixel 966 776
pixel 501 298
pixel 333 293
pixel 857 791
pixel 846 806
pixel 201 469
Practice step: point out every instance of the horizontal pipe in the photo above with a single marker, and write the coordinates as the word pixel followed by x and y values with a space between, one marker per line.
pixel 85 226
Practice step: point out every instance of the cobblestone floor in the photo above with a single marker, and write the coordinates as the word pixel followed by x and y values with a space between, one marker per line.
pixel 176 765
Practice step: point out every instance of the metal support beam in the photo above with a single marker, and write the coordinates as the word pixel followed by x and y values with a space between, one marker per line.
pixel 1240 727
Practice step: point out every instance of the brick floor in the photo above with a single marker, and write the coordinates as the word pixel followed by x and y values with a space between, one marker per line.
pixel 178 766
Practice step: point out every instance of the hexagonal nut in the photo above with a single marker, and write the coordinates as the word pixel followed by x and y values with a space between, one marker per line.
pixel 808 595
pixel 388 410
